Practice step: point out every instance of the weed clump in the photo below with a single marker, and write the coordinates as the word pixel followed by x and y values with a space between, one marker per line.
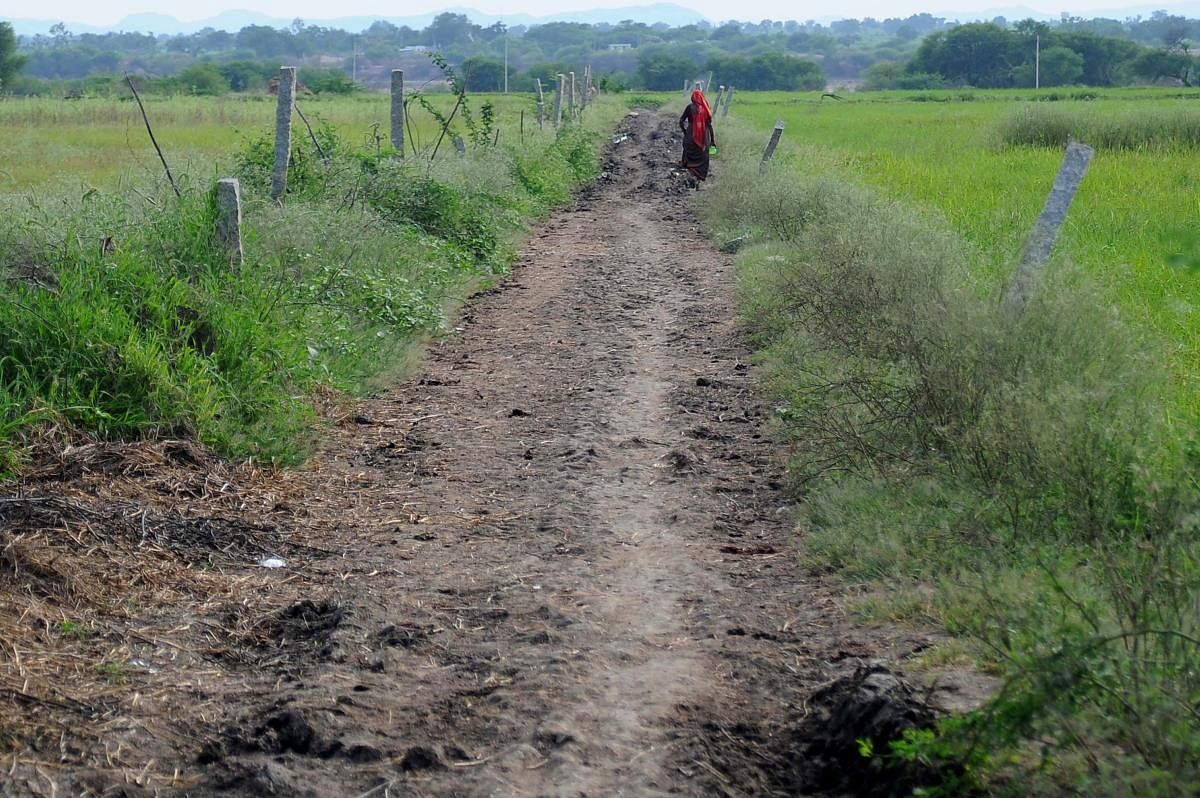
pixel 1030 467
pixel 1044 125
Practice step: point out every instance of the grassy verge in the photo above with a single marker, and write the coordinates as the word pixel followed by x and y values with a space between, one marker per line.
pixel 1131 229
pixel 1032 471
pixel 121 317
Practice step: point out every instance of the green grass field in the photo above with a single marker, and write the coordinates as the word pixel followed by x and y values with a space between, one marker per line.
pixel 1132 226
pixel 53 143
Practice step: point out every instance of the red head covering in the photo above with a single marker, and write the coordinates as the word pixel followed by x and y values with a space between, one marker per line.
pixel 701 119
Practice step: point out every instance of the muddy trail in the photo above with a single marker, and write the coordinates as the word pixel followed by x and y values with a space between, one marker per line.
pixel 558 562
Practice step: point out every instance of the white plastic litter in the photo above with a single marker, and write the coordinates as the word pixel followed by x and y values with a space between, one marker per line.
pixel 272 562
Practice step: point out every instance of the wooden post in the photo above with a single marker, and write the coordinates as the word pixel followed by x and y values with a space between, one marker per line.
pixel 398 111
pixel 558 99
pixel 1037 252
pixel 541 103
pixel 229 219
pixel 522 123
pixel 772 144
pixel 728 100
pixel 283 131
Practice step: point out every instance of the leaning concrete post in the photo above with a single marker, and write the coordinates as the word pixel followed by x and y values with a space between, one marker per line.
pixel 772 144
pixel 541 103
pixel 571 96
pixel 717 104
pixel 1045 232
pixel 728 100
pixel 398 111
pixel 558 99
pixel 229 219
pixel 707 83
pixel 283 130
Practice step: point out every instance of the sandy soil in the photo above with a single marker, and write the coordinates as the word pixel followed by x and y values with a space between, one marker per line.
pixel 558 562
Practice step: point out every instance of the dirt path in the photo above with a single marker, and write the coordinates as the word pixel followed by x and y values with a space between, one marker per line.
pixel 559 563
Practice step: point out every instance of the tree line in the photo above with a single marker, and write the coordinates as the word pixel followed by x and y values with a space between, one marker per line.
pixel 919 51
pixel 1028 53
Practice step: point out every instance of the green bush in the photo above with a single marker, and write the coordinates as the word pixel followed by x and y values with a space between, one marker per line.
pixel 329 80
pixel 408 196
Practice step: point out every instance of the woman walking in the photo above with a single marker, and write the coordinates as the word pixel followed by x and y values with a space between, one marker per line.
pixel 696 124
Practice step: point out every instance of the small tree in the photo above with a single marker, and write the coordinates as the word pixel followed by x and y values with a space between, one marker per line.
pixel 482 74
pixel 1060 66
pixel 201 79
pixel 10 60
pixel 1156 65
pixel 664 70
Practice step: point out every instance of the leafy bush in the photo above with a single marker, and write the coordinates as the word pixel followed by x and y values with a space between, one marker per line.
pixel 201 79
pixel 407 196
pixel 329 80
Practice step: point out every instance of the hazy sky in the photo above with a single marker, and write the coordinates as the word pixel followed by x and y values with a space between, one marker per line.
pixel 110 11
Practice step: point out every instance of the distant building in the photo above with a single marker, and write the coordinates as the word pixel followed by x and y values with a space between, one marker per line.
pixel 620 46
pixel 414 48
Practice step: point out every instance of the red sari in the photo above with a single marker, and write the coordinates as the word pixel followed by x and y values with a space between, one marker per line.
pixel 696 124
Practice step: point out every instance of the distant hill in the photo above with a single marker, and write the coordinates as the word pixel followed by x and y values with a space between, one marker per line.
pixel 668 13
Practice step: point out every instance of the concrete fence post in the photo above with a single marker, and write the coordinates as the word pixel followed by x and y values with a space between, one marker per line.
pixel 398 111
pixel 707 83
pixel 716 106
pixel 283 130
pixel 1037 252
pixel 558 99
pixel 541 103
pixel 229 219
pixel 460 146
pixel 772 144
pixel 572 104
pixel 728 100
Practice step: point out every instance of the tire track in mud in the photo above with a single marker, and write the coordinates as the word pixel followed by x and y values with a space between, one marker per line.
pixel 564 563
